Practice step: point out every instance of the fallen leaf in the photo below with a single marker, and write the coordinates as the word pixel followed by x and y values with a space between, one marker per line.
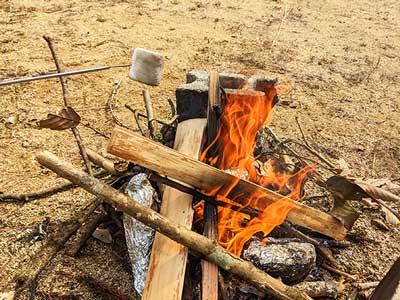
pixel 378 223
pixel 390 217
pixel 68 118
pixel 344 168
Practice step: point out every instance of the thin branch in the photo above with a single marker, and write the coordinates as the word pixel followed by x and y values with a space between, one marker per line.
pixel 311 149
pixel 149 110
pixel 27 197
pixel 75 130
pixel 334 270
pixel 88 125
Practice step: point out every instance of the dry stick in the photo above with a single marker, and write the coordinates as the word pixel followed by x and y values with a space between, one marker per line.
pixel 199 244
pixel 366 285
pixel 285 14
pixel 109 105
pixel 101 161
pixel 311 149
pixel 75 130
pixel 88 125
pixel 84 233
pixel 149 110
pixel 135 113
pixel 334 270
pixel 62 187
pixel 53 245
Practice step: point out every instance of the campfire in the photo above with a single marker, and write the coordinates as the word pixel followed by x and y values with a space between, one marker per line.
pixel 230 192
pixel 232 150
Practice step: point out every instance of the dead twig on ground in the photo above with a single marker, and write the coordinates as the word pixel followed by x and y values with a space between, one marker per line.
pixel 342 273
pixel 136 114
pixel 311 149
pixel 284 16
pixel 75 130
pixel 27 197
pixel 84 233
pixel 87 125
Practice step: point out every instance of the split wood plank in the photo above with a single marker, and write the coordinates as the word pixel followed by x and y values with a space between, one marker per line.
pixel 149 154
pixel 209 282
pixel 167 265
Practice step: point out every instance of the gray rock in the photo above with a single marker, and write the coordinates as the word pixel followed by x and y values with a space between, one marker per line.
pixel 192 100
pixel 231 80
pixel 288 259
pixel 227 80
pixel 197 75
pixel 102 234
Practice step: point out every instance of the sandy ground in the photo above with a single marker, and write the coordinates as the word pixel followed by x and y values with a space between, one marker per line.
pixel 338 58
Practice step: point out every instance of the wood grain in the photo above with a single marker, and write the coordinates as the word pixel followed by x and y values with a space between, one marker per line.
pixel 168 258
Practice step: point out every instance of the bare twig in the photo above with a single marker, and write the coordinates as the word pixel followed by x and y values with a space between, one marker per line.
pixel 284 16
pixel 311 149
pixel 75 130
pixel 88 125
pixel 334 270
pixel 172 107
pixel 54 244
pixel 27 197
pixel 149 110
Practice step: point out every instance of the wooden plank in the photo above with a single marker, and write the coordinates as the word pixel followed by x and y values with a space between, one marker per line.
pixel 168 259
pixel 209 282
pixel 149 154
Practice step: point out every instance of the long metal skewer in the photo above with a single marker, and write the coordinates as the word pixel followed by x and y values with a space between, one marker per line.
pixel 55 75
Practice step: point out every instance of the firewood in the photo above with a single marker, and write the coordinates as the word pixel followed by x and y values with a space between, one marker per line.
pixel 209 282
pixel 168 258
pixel 133 147
pixel 199 244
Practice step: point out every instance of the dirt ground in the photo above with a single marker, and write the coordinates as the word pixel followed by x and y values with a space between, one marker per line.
pixel 340 60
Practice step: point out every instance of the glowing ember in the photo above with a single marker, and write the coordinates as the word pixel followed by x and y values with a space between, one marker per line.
pixel 244 114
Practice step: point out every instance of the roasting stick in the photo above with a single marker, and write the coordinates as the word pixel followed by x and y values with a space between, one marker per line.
pixel 209 283
pixel 168 258
pixel 199 244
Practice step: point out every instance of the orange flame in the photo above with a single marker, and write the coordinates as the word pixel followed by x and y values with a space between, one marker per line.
pixel 244 114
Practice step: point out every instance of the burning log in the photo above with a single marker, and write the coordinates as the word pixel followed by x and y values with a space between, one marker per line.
pixel 147 153
pixel 200 245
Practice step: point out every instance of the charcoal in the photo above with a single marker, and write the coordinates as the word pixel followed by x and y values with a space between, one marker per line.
pixel 288 259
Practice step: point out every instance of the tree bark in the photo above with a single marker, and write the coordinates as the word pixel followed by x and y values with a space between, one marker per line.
pixel 199 244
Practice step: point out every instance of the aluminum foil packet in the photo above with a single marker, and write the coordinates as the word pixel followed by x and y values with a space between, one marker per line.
pixel 139 237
